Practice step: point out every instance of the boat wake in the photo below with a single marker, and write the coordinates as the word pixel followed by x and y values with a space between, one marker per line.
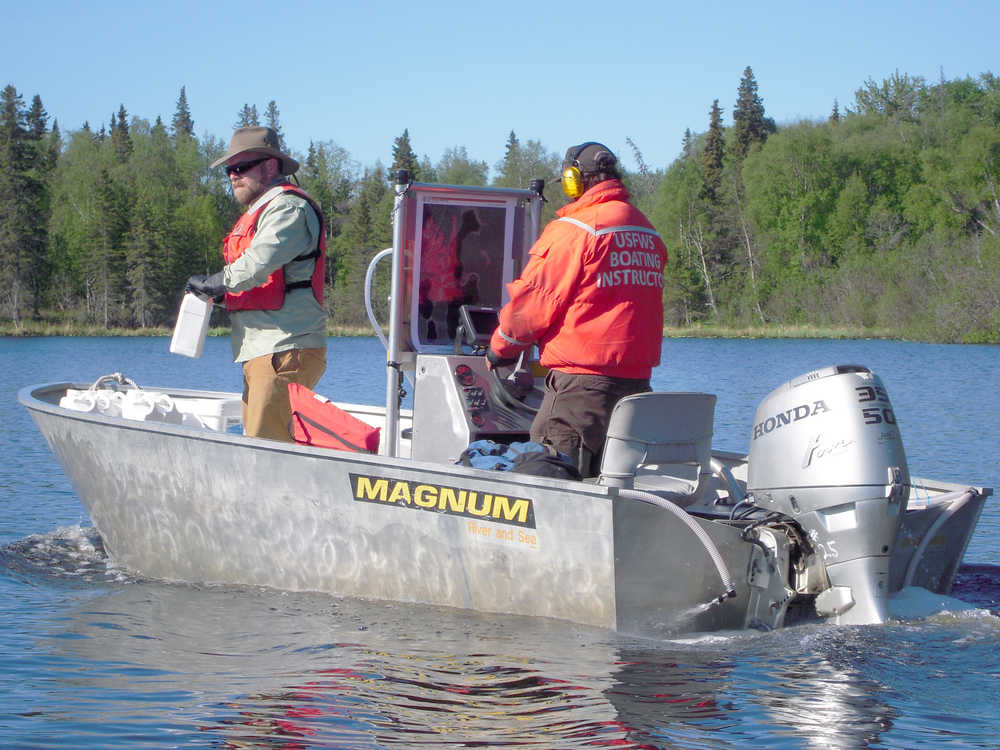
pixel 915 603
pixel 70 553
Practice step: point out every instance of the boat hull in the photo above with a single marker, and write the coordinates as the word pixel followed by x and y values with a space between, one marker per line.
pixel 183 504
pixel 934 535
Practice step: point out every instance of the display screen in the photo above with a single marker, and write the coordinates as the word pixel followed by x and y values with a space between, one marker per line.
pixel 481 322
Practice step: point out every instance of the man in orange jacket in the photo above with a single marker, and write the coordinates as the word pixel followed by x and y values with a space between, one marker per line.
pixel 591 297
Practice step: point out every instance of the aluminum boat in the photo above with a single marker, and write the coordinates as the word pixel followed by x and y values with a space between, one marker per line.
pixel 819 520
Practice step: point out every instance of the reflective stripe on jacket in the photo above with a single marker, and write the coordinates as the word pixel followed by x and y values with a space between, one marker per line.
pixel 591 295
pixel 271 294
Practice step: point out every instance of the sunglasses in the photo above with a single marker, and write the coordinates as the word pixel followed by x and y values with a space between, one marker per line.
pixel 244 166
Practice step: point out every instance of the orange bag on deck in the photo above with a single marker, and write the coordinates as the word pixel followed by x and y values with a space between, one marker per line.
pixel 317 421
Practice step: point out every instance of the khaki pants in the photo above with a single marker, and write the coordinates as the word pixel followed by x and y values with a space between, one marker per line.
pixel 266 411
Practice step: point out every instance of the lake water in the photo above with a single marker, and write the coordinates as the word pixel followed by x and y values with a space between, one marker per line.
pixel 92 656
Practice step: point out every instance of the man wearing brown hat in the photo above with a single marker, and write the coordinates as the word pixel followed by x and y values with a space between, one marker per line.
pixel 591 298
pixel 272 281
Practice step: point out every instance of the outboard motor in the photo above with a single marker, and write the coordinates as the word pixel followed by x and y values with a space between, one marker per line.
pixel 826 452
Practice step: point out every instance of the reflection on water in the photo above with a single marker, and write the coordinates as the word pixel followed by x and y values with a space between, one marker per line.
pixel 243 667
pixel 248 667
pixel 827 701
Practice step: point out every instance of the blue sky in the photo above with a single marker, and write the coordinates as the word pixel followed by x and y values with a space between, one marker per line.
pixel 466 74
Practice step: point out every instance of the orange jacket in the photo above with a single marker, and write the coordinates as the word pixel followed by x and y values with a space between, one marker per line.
pixel 271 294
pixel 591 295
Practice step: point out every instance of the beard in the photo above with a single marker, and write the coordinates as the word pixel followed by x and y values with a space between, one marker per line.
pixel 246 194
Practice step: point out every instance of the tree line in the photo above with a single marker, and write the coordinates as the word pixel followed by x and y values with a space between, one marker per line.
pixel 883 217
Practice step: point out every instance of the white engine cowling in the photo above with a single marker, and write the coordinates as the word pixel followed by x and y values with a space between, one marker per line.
pixel 826 451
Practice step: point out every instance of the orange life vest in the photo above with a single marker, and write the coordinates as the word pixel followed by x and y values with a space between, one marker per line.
pixel 271 294
pixel 317 421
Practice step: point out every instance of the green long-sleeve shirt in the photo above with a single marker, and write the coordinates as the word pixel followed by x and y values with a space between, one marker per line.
pixel 287 228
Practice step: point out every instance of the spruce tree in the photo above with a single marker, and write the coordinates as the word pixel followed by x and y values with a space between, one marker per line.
pixel 247 117
pixel 509 168
pixel 711 157
pixel 687 145
pixel 749 124
pixel 43 155
pixel 120 137
pixel 404 158
pixel 182 125
pixel 272 119
pixel 107 272
pixel 37 118
pixel 511 149
pixel 27 158
pixel 141 254
pixel 53 145
pixel 12 220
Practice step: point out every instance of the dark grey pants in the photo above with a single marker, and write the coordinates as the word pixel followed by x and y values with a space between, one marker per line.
pixel 575 411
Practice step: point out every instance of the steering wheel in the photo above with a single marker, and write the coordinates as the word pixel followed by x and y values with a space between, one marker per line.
pixel 513 384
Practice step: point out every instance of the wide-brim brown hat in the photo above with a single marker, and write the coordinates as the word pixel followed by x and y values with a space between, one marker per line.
pixel 258 140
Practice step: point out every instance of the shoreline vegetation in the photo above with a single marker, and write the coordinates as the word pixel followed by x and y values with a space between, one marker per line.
pixel 31 329
pixel 879 221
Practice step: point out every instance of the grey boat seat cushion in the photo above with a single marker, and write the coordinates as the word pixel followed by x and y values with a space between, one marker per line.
pixel 661 442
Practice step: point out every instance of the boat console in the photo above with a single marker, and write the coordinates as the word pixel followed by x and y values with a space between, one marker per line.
pixel 457 400
pixel 456 249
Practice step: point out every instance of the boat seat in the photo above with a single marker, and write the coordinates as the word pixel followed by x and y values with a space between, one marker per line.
pixel 661 442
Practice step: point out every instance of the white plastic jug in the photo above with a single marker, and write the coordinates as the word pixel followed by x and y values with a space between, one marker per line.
pixel 108 403
pixel 191 326
pixel 150 406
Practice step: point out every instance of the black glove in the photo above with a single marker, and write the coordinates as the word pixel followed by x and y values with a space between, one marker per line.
pixel 207 287
pixel 495 360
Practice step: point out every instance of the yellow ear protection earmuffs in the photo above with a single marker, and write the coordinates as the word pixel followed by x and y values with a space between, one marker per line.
pixel 572 177
pixel 572 182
